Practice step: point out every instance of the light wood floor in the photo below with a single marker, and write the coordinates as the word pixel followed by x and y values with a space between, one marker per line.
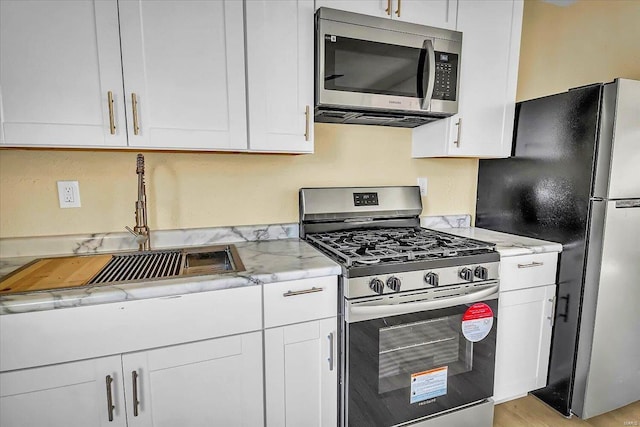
pixel 530 412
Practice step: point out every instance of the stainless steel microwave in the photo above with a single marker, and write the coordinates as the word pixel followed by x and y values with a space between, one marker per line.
pixel 372 70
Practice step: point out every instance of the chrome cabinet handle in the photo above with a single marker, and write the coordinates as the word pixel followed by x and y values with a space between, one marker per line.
pixel 398 10
pixel 330 358
pixel 457 141
pixel 136 402
pixel 134 108
pixel 531 264
pixel 306 128
pixel 552 317
pixel 306 291
pixel 112 120
pixel 110 406
pixel 388 9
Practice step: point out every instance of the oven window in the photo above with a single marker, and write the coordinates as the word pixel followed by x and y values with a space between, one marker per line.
pixel 354 65
pixel 419 347
pixel 406 367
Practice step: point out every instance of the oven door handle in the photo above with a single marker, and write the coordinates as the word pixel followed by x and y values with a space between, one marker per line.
pixel 357 313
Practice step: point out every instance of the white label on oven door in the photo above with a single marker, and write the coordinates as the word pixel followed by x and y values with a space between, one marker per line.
pixel 477 322
pixel 429 384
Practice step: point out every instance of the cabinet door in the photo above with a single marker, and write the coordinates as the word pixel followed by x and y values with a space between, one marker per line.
pixel 184 61
pixel 435 13
pixel 207 383
pixel 301 380
pixel 58 62
pixel 380 8
pixel 523 343
pixel 64 395
pixel 280 75
pixel 483 126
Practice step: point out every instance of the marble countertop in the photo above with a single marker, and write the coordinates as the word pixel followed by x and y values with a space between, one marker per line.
pixel 507 244
pixel 265 261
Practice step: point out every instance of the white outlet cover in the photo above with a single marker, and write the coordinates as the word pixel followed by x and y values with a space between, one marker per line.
pixel 69 194
pixel 422 183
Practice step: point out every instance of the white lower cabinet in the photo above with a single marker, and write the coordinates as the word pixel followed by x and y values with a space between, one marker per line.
pixel 212 382
pixel 525 311
pixel 301 374
pixel 68 394
pixel 300 351
pixel 194 360
pixel 207 383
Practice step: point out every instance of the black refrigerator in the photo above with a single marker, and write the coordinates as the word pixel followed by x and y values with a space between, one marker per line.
pixel 574 178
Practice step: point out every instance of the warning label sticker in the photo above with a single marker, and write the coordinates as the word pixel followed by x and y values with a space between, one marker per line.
pixel 429 384
pixel 477 322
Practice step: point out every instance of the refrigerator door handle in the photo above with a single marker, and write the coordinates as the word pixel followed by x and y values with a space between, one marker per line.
pixel 632 203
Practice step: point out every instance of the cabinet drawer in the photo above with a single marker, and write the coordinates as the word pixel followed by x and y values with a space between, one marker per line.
pixel 525 271
pixel 300 300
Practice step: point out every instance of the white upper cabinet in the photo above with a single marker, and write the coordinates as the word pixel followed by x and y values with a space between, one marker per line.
pixel 280 47
pixel 59 62
pixel 435 13
pixel 184 62
pixel 483 126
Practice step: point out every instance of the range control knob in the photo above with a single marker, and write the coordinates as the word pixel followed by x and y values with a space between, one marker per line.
pixel 481 272
pixel 432 279
pixel 393 283
pixel 466 274
pixel 377 286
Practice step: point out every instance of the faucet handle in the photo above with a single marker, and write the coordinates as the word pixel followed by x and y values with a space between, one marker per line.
pixel 140 237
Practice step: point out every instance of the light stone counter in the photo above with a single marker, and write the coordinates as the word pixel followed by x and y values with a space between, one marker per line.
pixel 507 244
pixel 265 261
pixel 270 253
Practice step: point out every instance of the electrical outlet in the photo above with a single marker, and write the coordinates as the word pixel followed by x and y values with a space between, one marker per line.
pixel 422 183
pixel 69 194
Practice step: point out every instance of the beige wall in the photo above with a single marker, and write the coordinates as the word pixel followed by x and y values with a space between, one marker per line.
pixel 585 42
pixel 562 47
pixel 213 189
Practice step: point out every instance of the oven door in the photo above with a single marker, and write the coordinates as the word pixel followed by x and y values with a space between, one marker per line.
pixel 406 367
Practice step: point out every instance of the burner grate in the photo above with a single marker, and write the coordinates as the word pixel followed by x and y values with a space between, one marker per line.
pixel 371 246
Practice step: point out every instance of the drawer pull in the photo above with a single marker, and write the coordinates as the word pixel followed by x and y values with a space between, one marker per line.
pixel 306 291
pixel 531 264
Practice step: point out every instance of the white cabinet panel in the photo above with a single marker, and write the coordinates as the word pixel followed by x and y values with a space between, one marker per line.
pixel 69 394
pixel 523 342
pixel 59 59
pixel 280 75
pixel 526 271
pixel 207 383
pixel 380 8
pixel 185 61
pixel 483 126
pixel 301 374
pixel 435 13
pixel 300 300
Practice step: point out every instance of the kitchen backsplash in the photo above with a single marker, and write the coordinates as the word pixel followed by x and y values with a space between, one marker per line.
pixel 109 242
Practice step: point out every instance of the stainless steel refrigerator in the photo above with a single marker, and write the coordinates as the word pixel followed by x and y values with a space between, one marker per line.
pixel 574 178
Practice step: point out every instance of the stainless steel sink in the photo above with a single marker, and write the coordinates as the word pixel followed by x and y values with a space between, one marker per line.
pixel 169 263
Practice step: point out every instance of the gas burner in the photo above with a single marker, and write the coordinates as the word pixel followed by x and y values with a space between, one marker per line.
pixel 391 245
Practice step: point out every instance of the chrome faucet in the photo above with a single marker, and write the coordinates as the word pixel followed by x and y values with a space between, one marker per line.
pixel 141 229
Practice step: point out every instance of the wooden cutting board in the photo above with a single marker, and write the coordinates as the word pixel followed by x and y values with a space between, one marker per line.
pixel 54 273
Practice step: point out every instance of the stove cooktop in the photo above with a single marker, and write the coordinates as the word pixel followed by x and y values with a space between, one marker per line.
pixel 369 247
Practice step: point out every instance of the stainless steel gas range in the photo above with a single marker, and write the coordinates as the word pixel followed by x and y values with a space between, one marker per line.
pixel 418 309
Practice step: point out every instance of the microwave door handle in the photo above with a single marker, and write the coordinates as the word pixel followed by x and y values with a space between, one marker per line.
pixel 429 74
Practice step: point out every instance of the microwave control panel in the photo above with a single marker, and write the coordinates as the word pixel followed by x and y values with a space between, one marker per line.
pixel 446 76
